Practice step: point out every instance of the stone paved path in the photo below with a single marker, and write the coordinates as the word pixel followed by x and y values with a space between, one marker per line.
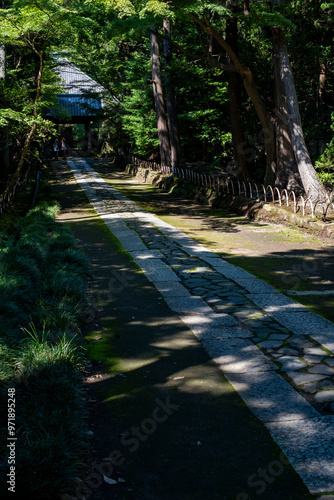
pixel 275 352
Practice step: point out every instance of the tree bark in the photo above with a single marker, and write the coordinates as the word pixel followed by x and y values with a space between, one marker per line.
pixel 234 91
pixel 287 175
pixel 2 62
pixel 175 147
pixel 314 189
pixel 164 144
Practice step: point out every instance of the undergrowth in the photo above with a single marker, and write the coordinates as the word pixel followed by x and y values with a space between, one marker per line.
pixel 42 292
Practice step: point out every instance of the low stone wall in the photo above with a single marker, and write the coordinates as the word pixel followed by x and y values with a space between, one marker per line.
pixel 163 182
pixel 254 210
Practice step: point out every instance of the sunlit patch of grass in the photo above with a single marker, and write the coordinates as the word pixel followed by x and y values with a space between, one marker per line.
pixel 37 353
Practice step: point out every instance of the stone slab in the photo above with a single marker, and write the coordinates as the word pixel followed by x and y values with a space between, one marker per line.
pixel 146 255
pixel 238 356
pixel 199 323
pixel 312 360
pixel 171 232
pixel 151 264
pixel 288 352
pixel 123 233
pixel 131 244
pixel 113 219
pixel 304 323
pixel 275 302
pixel 304 378
pixel 159 275
pixel 309 446
pixel 278 336
pixel 326 341
pixel 324 396
pixel 199 270
pixel 254 285
pixel 139 214
pixel 314 351
pixel 271 344
pixel 321 369
pixel 223 333
pixel 195 249
pixel 232 272
pixel 214 261
pixel 190 304
pixel 291 363
pixel 300 342
pixel 172 289
pixel 270 397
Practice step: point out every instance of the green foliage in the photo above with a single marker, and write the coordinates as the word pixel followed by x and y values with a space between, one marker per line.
pixel 124 8
pixel 37 353
pixel 192 7
pixel 325 165
pixel 139 121
pixel 261 15
pixel 42 290
pixel 158 8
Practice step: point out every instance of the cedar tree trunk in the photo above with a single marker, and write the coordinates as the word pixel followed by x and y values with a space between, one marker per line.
pixel 314 189
pixel 287 175
pixel 234 91
pixel 174 136
pixel 159 100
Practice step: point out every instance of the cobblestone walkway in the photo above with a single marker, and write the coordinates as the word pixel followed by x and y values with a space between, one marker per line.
pixel 276 353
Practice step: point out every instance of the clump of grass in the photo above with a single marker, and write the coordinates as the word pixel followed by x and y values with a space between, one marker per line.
pixel 38 353
pixel 42 289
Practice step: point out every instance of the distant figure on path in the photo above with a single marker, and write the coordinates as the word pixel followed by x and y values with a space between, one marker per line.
pixel 56 148
pixel 63 147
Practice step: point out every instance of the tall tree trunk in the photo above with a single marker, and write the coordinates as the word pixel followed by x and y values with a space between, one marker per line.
pixel 175 147
pixel 320 106
pixel 159 99
pixel 287 175
pixel 234 92
pixel 322 83
pixel 313 187
pixel 267 127
pixel 2 62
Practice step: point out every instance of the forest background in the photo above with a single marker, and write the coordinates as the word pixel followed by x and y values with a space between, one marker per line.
pixel 244 86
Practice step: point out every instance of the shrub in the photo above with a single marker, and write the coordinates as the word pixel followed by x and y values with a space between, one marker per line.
pixel 42 287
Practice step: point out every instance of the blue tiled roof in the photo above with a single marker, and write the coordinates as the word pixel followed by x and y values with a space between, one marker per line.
pixel 81 97
pixel 75 81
